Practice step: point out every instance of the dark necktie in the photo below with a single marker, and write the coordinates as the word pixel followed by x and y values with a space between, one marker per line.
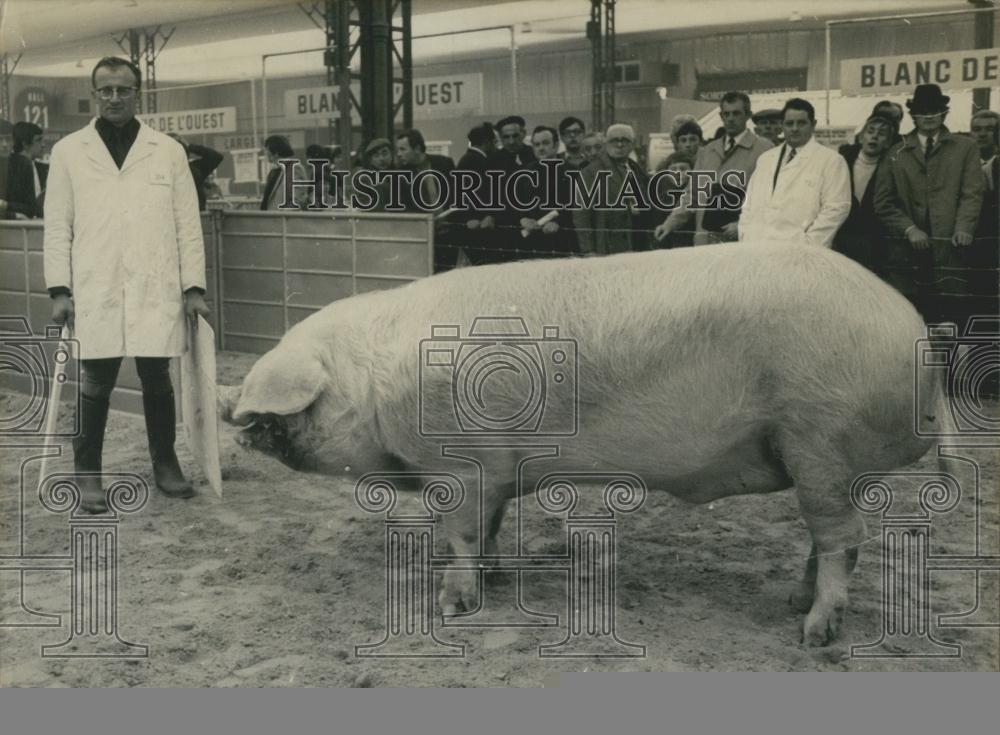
pixel 930 144
pixel 729 144
pixel 777 170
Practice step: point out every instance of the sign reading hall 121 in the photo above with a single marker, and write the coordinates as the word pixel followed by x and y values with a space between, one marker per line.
pixel 433 97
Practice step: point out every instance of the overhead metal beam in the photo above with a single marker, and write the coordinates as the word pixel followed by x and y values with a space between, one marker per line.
pixel 983 39
pixel 144 47
pixel 365 31
pixel 601 33
pixel 6 72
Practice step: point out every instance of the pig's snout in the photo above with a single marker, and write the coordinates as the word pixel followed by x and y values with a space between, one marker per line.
pixel 227 397
pixel 270 435
pixel 244 440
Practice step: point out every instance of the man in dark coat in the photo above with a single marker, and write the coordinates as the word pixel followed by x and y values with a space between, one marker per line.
pixel 26 177
pixel 984 255
pixel 513 153
pixel 5 129
pixel 202 161
pixel 539 238
pixel 859 237
pixel 478 239
pixel 618 229
pixel 928 195
pixel 442 164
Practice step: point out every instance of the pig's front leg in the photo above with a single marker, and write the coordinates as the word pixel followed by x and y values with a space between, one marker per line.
pixel 464 528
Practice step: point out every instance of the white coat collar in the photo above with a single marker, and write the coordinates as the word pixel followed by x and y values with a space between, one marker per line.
pixel 143 147
pixel 803 153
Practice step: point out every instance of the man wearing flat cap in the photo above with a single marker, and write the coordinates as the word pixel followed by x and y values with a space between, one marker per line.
pixel 767 125
pixel 928 194
pixel 514 153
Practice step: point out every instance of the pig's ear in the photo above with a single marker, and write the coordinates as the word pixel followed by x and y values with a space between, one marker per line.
pixel 284 381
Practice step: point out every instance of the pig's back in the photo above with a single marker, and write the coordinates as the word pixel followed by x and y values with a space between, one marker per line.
pixel 673 305
pixel 682 355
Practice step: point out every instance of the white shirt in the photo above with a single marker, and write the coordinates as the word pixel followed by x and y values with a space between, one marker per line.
pixel 923 139
pixel 988 170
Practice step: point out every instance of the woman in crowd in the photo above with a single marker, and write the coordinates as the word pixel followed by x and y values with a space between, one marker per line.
pixel 670 188
pixel 688 138
pixel 277 147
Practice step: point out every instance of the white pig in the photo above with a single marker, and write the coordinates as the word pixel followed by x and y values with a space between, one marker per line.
pixel 708 372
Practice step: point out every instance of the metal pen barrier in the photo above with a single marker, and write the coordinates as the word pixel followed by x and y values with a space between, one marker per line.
pixel 265 272
pixel 277 268
pixel 24 299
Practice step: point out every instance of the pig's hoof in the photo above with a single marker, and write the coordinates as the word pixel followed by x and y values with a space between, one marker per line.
pixel 458 592
pixel 822 626
pixel 801 599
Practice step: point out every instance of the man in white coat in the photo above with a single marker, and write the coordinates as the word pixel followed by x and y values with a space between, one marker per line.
pixel 125 266
pixel 800 191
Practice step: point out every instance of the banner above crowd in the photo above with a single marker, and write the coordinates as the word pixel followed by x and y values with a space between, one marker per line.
pixel 897 74
pixel 214 120
pixel 433 97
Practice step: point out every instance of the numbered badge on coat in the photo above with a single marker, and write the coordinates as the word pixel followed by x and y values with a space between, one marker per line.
pixel 159 178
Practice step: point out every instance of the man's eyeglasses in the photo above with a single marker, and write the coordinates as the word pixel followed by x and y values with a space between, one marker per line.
pixel 108 93
pixel 572 131
pixel 620 141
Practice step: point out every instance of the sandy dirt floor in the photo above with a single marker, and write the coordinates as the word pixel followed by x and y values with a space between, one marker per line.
pixel 276 583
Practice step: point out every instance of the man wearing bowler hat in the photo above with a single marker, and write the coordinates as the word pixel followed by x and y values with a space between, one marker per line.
pixel 927 195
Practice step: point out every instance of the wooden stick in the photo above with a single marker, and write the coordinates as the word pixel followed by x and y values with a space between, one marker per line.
pixel 55 392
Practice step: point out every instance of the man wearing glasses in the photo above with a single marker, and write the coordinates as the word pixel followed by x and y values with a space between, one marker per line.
pixel 626 226
pixel 572 131
pixel 125 267
pixel 928 196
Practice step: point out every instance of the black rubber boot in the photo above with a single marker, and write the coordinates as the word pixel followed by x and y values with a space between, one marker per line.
pixel 161 431
pixel 87 450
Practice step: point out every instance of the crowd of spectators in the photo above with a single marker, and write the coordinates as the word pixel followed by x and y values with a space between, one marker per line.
pixel 919 209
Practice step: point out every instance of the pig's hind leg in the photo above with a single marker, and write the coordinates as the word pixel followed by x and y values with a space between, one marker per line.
pixel 802 597
pixel 823 479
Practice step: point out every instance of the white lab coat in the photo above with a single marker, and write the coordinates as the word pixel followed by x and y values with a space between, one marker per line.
pixel 127 242
pixel 809 204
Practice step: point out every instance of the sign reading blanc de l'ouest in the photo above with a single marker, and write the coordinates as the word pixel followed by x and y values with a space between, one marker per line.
pixel 898 74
